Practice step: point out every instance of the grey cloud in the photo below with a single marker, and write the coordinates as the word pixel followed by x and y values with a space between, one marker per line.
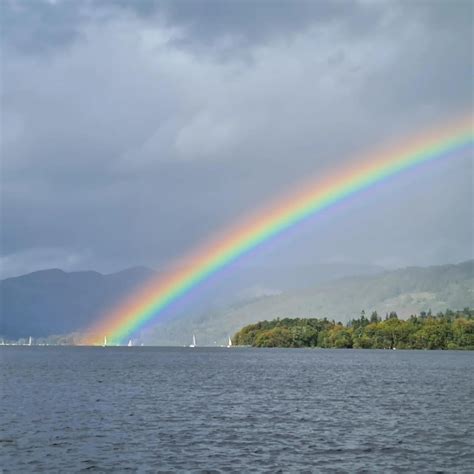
pixel 132 143
pixel 42 25
pixel 38 26
pixel 35 259
pixel 205 25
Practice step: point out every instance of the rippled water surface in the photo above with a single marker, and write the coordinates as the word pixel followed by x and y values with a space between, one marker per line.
pixel 66 409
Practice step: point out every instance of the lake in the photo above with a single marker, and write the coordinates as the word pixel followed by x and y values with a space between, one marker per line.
pixel 67 409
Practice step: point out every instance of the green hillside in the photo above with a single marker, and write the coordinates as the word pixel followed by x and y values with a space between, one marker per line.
pixel 407 291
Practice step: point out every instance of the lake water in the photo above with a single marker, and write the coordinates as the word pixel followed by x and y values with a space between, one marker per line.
pixel 67 409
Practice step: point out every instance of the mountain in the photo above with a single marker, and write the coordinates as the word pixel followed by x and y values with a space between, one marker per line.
pixel 406 291
pixel 52 301
pixel 55 302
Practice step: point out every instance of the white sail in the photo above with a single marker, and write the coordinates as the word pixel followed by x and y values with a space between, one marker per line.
pixel 129 343
pixel 229 344
pixel 105 341
pixel 30 341
pixel 194 342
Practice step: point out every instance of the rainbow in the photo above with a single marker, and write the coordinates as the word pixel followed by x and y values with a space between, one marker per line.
pixel 149 302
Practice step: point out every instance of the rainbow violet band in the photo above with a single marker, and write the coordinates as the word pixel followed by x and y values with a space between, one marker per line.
pixel 147 304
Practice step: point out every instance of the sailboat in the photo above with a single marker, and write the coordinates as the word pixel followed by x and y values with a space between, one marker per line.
pixel 30 341
pixel 229 344
pixel 105 342
pixel 194 342
pixel 129 343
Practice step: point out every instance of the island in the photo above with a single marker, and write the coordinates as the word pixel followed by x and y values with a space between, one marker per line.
pixel 448 330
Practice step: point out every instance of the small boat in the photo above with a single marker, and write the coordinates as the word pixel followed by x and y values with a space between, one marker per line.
pixel 30 341
pixel 129 343
pixel 105 342
pixel 229 343
pixel 194 342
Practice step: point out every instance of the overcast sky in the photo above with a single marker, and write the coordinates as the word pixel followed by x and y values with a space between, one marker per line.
pixel 133 130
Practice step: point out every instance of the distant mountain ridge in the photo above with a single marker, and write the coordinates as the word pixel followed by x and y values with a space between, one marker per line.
pixel 52 301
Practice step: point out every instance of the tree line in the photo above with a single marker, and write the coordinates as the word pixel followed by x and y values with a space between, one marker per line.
pixel 448 330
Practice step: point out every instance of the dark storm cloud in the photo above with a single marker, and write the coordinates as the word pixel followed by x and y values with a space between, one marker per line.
pixel 133 130
pixel 37 26
pixel 41 25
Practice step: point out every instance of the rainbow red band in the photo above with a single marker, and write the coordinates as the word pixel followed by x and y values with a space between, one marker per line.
pixel 147 304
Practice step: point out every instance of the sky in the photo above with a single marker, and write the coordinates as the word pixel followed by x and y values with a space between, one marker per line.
pixel 133 131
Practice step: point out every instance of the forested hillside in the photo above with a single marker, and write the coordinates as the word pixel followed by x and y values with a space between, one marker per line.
pixel 407 291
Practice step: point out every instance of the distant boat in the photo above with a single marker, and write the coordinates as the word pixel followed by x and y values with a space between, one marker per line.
pixel 194 342
pixel 229 344
pixel 30 341
pixel 105 342
pixel 129 343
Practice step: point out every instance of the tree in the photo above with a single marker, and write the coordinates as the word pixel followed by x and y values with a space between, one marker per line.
pixel 374 317
pixel 276 337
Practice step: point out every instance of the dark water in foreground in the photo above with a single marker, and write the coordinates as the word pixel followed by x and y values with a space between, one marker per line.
pixel 242 410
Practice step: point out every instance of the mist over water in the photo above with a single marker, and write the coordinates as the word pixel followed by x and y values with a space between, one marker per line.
pixel 67 409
